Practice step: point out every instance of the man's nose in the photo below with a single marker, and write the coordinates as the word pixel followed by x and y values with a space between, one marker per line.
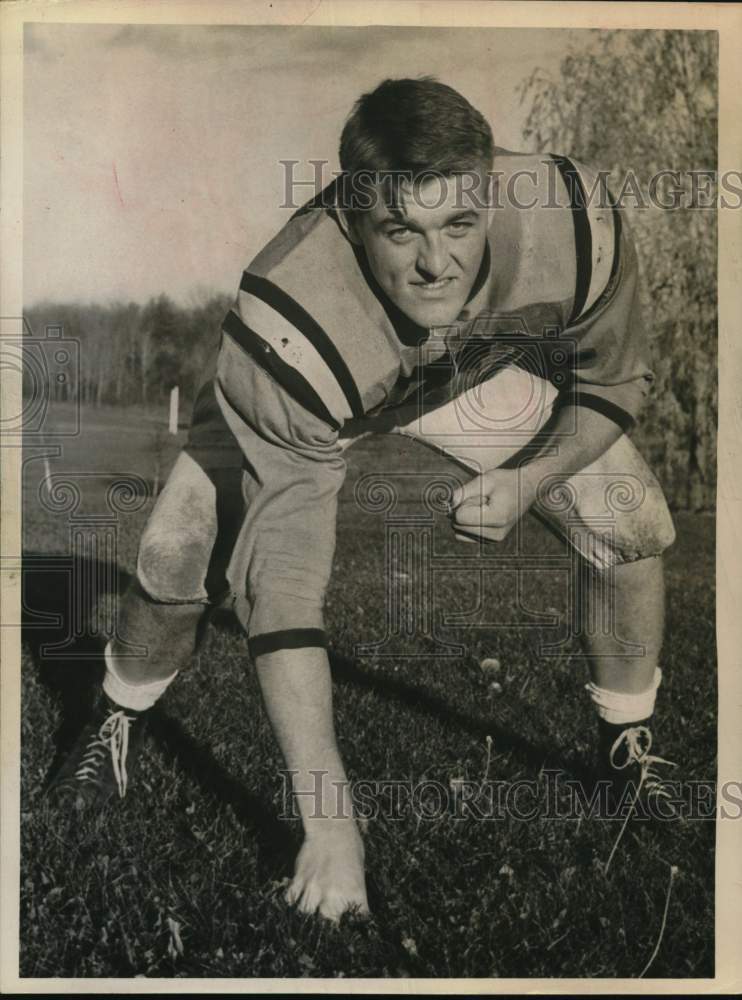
pixel 431 259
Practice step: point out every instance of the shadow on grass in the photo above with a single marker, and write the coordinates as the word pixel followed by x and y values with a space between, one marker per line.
pixel 422 702
pixel 71 667
pixel 51 585
pixel 68 659
pixel 276 846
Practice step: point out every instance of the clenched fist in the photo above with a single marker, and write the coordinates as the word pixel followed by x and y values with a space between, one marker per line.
pixel 489 505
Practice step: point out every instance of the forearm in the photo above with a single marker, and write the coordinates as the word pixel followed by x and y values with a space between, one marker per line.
pixel 573 438
pixel 297 691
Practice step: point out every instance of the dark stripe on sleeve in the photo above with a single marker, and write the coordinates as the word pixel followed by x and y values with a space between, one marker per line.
pixel 290 638
pixel 583 236
pixel 614 263
pixel 264 355
pixel 295 314
pixel 611 410
pixel 616 241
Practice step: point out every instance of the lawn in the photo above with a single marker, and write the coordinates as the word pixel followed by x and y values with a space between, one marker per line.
pixel 185 876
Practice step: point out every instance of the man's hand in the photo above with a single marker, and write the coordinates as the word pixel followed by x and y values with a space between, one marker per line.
pixel 329 875
pixel 489 505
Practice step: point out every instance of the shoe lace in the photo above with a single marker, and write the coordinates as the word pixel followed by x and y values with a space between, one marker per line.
pixel 111 738
pixel 636 742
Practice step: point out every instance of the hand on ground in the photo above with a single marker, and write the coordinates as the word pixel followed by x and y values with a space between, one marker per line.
pixel 329 875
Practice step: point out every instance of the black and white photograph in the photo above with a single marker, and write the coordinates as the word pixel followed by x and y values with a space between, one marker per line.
pixel 364 405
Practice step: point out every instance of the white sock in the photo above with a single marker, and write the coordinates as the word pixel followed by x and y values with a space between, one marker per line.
pixel 137 697
pixel 622 709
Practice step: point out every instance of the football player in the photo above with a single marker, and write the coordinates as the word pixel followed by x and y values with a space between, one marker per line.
pixel 474 299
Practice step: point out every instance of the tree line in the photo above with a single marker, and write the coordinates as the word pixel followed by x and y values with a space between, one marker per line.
pixel 130 353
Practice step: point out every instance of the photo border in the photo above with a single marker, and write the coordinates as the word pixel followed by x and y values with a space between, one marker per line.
pixel 724 18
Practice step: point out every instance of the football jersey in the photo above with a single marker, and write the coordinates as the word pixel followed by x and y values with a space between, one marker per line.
pixel 557 287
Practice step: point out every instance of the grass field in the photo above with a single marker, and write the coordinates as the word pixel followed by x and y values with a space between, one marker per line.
pixel 185 876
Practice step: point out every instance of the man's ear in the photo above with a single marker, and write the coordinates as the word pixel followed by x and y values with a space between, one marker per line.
pixel 348 222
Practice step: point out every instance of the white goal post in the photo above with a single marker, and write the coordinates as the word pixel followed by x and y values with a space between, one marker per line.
pixel 173 424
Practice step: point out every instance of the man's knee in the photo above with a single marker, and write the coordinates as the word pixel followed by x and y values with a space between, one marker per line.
pixel 643 523
pixel 619 502
pixel 176 547
pixel 608 519
pixel 171 570
pixel 658 528
pixel 645 532
pixel 141 615
pixel 150 630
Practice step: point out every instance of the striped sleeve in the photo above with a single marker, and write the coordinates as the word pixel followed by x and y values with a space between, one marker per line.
pixel 612 372
pixel 290 344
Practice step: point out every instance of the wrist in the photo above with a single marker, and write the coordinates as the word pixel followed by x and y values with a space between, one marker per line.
pixel 531 476
pixel 322 795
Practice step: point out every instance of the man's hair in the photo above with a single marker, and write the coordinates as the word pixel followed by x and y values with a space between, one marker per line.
pixel 414 127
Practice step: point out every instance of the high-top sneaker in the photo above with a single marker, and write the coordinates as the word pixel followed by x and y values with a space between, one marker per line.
pixel 97 767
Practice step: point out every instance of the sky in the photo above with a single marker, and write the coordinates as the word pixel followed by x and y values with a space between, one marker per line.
pixel 152 153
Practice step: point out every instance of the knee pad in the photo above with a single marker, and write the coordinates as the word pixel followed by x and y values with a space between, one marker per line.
pixel 171 569
pixel 176 548
pixel 659 526
pixel 156 631
pixel 608 520
pixel 614 509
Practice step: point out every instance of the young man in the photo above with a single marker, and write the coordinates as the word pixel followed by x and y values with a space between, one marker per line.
pixel 400 283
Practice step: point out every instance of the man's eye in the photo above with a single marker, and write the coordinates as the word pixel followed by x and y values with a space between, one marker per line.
pixel 400 233
pixel 460 227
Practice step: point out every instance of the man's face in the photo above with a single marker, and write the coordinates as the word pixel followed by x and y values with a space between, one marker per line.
pixel 426 249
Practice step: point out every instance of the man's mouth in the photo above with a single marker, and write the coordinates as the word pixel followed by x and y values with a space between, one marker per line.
pixel 431 287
